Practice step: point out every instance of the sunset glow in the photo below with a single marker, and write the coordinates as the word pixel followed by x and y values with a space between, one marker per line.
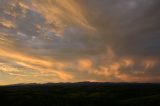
pixel 79 40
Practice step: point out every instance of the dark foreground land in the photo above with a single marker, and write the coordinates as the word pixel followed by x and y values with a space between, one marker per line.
pixel 81 94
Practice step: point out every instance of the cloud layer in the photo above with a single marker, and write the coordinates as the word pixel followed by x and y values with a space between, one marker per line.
pixel 74 40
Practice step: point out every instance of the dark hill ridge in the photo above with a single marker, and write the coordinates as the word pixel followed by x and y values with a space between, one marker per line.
pixel 81 94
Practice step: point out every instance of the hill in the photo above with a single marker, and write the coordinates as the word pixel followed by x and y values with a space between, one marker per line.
pixel 81 94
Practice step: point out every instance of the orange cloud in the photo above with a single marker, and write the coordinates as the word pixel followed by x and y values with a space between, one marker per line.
pixel 149 63
pixel 128 62
pixel 85 63
pixel 28 61
pixel 61 13
pixel 6 23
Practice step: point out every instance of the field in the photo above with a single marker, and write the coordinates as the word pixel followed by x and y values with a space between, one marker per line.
pixel 81 94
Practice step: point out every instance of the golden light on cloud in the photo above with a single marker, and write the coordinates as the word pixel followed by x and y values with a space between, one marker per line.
pixel 128 62
pixel 85 63
pixel 150 63
pixel 53 41
pixel 6 23
pixel 61 13
pixel 37 64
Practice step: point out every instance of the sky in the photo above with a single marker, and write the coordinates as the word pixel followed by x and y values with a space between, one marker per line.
pixel 79 40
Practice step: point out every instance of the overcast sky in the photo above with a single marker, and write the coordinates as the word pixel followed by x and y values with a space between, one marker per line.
pixel 79 40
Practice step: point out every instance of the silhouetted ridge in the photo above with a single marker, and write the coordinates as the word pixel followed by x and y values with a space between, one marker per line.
pixel 81 94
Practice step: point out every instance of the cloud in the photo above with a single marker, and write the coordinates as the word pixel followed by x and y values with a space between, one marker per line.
pixel 75 40
pixel 61 14
pixel 6 23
